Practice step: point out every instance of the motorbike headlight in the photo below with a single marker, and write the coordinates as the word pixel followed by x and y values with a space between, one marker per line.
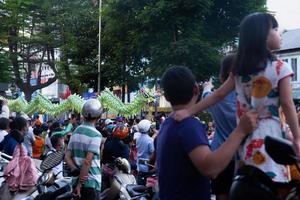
pixel 46 178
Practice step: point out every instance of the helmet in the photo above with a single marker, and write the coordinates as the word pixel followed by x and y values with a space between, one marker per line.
pixel 252 183
pixel 144 125
pixel 108 121
pixel 123 165
pixel 121 131
pixel 119 119
pixel 92 109
pixel 110 128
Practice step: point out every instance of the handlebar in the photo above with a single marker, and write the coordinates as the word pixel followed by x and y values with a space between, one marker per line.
pixel 5 156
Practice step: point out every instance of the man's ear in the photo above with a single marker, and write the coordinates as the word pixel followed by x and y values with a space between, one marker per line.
pixel 196 90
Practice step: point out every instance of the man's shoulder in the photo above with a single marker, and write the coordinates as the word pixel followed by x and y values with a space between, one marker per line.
pixel 191 123
pixel 87 130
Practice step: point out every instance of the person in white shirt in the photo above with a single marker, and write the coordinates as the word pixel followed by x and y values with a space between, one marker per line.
pixel 4 127
pixel 4 109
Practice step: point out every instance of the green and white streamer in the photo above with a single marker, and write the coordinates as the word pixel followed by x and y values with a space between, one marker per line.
pixel 75 102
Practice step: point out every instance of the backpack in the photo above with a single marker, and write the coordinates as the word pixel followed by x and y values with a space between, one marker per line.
pixel 20 173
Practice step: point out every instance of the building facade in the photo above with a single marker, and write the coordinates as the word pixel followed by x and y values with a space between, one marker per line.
pixel 290 53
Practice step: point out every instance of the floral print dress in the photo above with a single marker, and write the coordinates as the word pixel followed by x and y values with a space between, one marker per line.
pixel 260 92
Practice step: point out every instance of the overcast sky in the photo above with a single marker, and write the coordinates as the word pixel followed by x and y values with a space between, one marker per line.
pixel 287 13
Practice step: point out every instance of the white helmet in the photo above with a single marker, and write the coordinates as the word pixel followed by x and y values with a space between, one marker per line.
pixel 144 125
pixel 108 121
pixel 123 165
pixel 92 109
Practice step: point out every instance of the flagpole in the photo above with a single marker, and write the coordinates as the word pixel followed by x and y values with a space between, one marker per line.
pixel 99 48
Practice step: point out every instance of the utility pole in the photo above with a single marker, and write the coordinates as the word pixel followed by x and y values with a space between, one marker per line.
pixel 99 48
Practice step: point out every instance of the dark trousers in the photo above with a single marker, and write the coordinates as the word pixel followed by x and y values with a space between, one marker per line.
pixel 89 194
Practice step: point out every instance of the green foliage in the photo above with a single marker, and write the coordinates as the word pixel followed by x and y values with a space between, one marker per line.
pixel 163 33
pixel 140 38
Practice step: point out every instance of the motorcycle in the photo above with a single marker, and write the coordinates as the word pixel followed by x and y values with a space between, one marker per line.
pixel 123 184
pixel 47 187
pixel 252 183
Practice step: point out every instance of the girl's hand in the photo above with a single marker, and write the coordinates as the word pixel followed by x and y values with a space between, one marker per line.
pixel 248 122
pixel 179 115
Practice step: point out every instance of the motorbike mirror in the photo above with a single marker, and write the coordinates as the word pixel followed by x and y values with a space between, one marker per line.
pixel 281 150
pixel 52 160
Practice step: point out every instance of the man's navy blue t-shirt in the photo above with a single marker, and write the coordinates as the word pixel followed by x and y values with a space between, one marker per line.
pixel 178 177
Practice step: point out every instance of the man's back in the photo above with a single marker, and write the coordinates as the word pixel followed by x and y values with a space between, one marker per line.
pixel 178 177
pixel 145 148
pixel 86 139
pixel 113 148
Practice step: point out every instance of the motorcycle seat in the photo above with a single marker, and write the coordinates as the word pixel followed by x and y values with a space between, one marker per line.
pixel 136 190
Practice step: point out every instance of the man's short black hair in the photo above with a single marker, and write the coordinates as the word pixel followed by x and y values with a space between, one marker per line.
pixel 37 131
pixel 18 123
pixel 55 140
pixel 178 85
pixel 4 123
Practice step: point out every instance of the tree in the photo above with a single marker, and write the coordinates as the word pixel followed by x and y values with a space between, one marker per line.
pixel 172 32
pixel 5 69
pixel 77 28
pixel 30 42
pixel 125 57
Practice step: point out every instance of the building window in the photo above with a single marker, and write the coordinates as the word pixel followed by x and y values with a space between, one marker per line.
pixel 294 67
pixel 285 60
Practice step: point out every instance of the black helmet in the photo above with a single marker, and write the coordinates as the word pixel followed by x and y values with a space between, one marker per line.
pixel 251 183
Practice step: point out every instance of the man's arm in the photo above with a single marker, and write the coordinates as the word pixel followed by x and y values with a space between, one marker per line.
pixel 69 160
pixel 218 95
pixel 87 163
pixel 210 163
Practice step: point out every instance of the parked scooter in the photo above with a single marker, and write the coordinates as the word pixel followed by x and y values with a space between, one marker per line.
pixel 252 183
pixel 123 184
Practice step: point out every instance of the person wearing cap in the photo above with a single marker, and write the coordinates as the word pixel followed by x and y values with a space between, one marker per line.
pixel 83 153
pixel 108 121
pixel 145 148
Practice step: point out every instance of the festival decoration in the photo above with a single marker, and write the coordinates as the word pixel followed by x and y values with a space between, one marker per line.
pixel 75 102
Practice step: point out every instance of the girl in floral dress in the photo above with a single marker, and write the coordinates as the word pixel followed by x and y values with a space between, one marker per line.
pixel 262 83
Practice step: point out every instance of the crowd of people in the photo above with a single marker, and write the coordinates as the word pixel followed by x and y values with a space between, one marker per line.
pixel 89 142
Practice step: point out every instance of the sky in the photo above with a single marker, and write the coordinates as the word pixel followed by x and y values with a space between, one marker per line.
pixel 287 13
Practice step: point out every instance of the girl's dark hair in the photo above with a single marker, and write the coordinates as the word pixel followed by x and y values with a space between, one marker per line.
pixel 226 66
pixel 253 54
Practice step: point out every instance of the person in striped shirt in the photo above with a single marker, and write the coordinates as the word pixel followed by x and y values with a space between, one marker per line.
pixel 83 152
